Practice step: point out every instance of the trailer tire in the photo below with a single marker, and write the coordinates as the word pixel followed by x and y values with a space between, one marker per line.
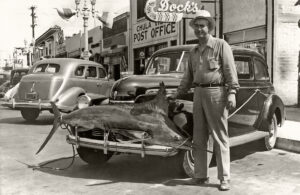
pixel 30 114
pixel 93 156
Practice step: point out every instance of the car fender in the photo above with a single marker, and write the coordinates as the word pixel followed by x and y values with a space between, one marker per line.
pixel 97 99
pixel 67 101
pixel 272 105
pixel 11 93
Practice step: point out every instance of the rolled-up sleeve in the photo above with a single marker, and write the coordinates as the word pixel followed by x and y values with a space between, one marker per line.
pixel 187 79
pixel 229 69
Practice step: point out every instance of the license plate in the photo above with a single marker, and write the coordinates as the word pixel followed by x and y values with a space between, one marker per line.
pixel 31 96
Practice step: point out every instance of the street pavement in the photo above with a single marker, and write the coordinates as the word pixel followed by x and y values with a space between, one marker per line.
pixel 254 171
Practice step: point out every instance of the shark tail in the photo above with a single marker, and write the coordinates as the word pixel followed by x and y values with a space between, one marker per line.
pixel 56 124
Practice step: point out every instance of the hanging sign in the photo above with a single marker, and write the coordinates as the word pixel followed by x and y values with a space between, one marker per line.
pixel 170 10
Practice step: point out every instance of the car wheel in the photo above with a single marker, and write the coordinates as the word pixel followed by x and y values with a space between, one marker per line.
pixel 93 156
pixel 30 114
pixel 270 140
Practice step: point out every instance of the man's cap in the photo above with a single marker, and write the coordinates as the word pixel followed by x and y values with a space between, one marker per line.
pixel 203 14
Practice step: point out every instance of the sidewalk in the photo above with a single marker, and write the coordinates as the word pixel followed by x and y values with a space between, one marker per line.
pixel 289 134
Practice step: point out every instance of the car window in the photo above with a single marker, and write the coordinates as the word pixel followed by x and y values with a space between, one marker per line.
pixel 40 68
pixel 53 68
pixel 243 65
pixel 47 68
pixel 167 63
pixel 91 72
pixel 102 73
pixel 79 71
pixel 260 70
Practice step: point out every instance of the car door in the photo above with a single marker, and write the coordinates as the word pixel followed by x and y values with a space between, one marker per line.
pixel 92 82
pixel 105 84
pixel 242 121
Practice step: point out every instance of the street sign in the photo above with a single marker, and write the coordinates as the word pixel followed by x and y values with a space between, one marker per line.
pixel 85 55
pixel 142 55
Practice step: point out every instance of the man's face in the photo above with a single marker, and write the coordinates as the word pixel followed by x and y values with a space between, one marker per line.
pixel 201 29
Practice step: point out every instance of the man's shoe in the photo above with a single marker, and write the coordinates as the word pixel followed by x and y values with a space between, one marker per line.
pixel 196 181
pixel 224 185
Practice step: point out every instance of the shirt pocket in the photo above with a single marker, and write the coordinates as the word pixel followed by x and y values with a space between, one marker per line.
pixel 213 64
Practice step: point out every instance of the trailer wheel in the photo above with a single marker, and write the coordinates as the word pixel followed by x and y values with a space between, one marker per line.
pixel 30 114
pixel 93 156
pixel 188 163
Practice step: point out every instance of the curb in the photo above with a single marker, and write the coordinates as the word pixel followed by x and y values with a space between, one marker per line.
pixel 288 144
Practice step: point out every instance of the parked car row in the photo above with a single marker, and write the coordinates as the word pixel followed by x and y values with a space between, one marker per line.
pixel 9 80
pixel 63 81
pixel 73 84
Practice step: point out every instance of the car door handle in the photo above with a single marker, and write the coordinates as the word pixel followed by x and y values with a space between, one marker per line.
pixel 99 84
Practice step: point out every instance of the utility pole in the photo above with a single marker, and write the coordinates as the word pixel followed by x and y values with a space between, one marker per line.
pixel 33 24
pixel 33 19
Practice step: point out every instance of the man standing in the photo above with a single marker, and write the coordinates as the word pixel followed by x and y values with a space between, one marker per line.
pixel 212 71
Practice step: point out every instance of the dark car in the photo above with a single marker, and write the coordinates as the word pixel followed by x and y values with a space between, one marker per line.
pixel 16 75
pixel 63 81
pixel 258 115
pixel 4 87
pixel 4 76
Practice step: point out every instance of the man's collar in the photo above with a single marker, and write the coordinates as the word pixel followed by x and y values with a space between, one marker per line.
pixel 210 42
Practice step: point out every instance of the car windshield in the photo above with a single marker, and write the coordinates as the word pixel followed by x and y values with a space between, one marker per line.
pixel 168 63
pixel 47 68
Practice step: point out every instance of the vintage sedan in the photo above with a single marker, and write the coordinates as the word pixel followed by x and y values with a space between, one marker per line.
pixel 258 114
pixel 63 81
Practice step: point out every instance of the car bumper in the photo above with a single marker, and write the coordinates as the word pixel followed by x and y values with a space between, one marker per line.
pixel 28 104
pixel 39 104
pixel 112 146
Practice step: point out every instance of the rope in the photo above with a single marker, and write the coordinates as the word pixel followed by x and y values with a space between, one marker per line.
pixel 178 146
pixel 43 166
pixel 238 109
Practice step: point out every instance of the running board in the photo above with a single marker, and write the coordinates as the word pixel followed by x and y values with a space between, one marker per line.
pixel 249 137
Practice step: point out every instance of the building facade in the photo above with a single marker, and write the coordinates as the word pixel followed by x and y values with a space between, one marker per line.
pixel 115 45
pixel 267 26
pixel 147 36
pixel 271 28
pixel 75 44
pixel 50 44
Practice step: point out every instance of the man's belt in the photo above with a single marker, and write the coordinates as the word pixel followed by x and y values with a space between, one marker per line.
pixel 209 85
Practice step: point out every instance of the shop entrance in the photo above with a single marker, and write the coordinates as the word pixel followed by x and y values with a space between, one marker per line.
pixel 142 55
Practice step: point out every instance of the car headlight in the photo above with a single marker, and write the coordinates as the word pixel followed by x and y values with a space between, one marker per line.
pixel 83 101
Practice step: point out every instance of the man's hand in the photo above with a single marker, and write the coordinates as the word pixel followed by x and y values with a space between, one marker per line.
pixel 231 102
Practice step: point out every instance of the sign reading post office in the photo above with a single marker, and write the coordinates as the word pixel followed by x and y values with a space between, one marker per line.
pixel 153 31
